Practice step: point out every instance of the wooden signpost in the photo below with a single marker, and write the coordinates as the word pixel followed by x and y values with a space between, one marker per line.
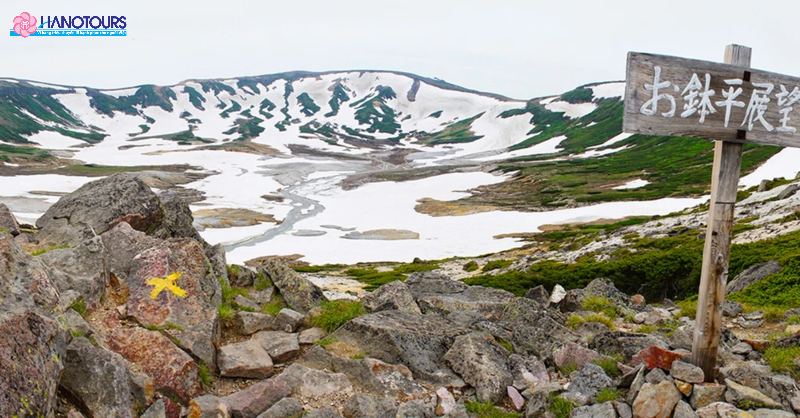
pixel 729 103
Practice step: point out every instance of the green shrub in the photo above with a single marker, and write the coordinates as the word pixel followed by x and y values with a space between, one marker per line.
pixel 471 266
pixel 336 313
pixel 780 290
pixel 497 265
pixel 793 320
pixel 415 268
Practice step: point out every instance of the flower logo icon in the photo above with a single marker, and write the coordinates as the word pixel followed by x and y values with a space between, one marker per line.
pixel 25 24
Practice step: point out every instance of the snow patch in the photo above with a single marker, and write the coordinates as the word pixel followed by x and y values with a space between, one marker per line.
pixel 607 90
pixel 571 110
pixel 633 184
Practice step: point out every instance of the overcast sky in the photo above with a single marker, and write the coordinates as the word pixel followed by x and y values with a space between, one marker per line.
pixel 521 49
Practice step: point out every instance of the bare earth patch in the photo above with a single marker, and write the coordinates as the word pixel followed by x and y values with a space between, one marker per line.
pixel 383 234
pixel 230 217
pixel 437 208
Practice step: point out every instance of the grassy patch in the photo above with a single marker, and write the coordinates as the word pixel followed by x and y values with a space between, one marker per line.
pixel 41 251
pixel 488 410
pixel 567 368
pixel 780 290
pixel 662 267
pixel 609 365
pixel 415 268
pixel 773 315
pixel 274 306
pixel 317 269
pixel 326 341
pixel 781 359
pixel 575 320
pixel 206 377
pixel 262 282
pixel 457 133
pixel 336 313
pixel 79 305
pixel 560 407
pixel 497 265
pixel 793 320
pixel 688 307
pixel 506 344
pixel 374 278
pixel 599 304
pixel 606 395
pixel 226 313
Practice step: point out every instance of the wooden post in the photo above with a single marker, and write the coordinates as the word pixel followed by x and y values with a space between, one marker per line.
pixel 716 256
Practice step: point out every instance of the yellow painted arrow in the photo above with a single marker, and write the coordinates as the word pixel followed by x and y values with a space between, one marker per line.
pixel 166 283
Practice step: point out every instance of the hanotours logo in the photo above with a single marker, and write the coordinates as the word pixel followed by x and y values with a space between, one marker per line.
pixel 25 26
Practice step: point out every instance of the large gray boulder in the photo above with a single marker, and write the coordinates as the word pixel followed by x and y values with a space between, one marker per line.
pixel 377 377
pixel 281 346
pixel 8 222
pixel 80 269
pixel 656 400
pixel 753 275
pixel 391 296
pixel 601 410
pixel 98 206
pixel 536 331
pixel 285 408
pixel 301 295
pixel 482 363
pixel 586 383
pixel 486 301
pixel 178 220
pixel 365 406
pixel 99 380
pixel 306 382
pixel 247 359
pixel 256 399
pixel 417 341
pixel 33 347
pixel 433 282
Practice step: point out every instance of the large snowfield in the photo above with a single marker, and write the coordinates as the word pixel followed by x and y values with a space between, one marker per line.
pixel 314 201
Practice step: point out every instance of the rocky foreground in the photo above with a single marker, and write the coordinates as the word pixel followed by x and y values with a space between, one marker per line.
pixel 113 306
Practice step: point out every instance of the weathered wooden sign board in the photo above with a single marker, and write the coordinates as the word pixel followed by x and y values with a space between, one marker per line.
pixel 682 97
pixel 729 103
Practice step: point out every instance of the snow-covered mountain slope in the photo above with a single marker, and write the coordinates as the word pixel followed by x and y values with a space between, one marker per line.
pixel 350 112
